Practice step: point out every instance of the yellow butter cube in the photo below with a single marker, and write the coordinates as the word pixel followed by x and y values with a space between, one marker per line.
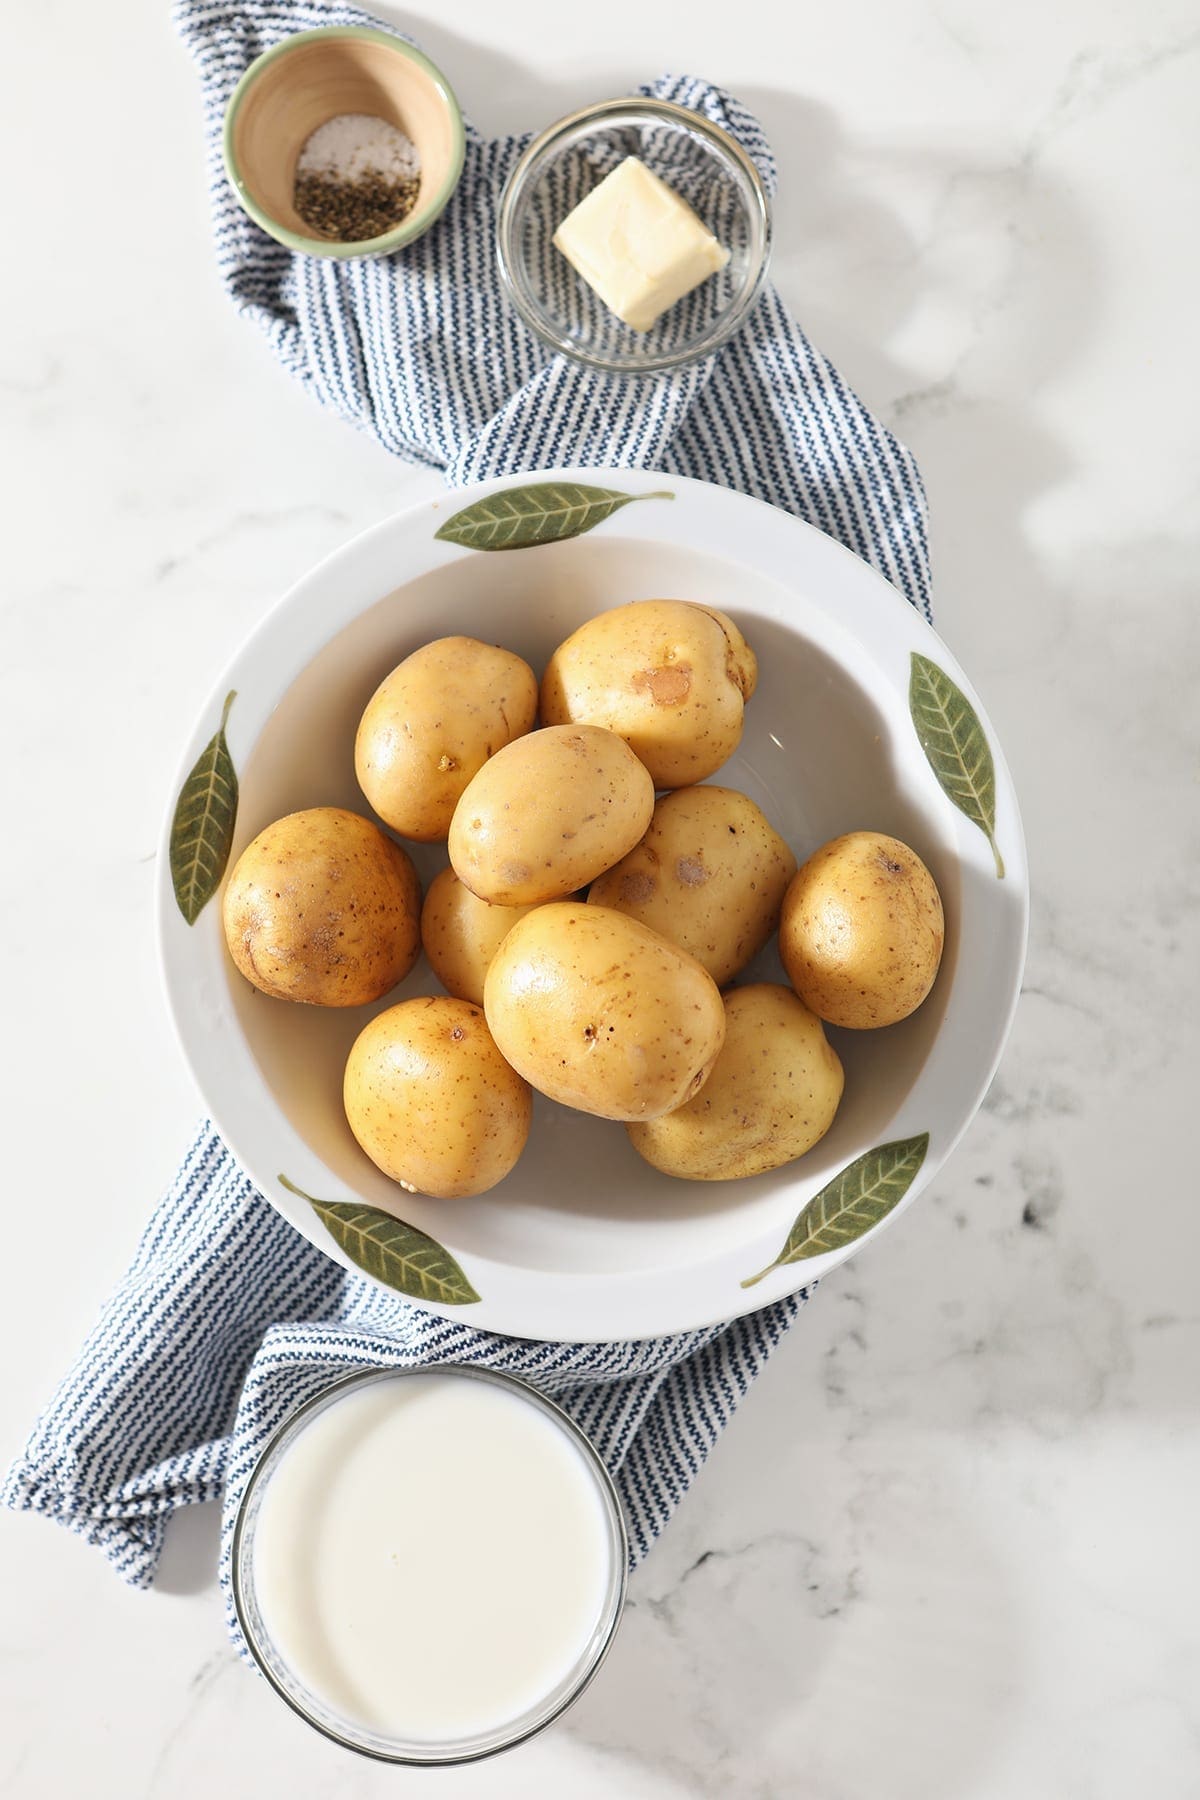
pixel 638 245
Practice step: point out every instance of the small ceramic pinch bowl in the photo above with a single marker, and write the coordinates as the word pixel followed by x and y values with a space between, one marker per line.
pixel 312 77
pixel 707 168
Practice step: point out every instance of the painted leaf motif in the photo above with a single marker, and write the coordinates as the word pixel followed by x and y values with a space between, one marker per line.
pixel 392 1250
pixel 202 829
pixel 849 1205
pixel 955 746
pixel 541 512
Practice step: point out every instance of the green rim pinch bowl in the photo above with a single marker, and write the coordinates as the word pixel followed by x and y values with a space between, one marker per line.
pixel 314 76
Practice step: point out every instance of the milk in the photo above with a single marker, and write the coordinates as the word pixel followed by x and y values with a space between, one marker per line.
pixel 432 1556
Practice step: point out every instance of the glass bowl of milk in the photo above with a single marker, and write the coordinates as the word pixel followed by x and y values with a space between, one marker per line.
pixel 429 1565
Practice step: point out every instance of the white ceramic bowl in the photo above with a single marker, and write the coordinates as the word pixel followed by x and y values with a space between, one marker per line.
pixel 583 1241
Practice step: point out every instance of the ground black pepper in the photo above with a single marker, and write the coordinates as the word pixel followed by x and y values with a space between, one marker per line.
pixel 351 211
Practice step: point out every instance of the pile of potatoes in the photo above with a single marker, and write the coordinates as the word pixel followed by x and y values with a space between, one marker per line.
pixel 585 928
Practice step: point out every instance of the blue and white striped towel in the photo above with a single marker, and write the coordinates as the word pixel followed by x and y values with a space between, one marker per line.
pixel 228 1319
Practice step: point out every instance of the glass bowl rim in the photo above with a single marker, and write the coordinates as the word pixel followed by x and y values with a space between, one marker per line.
pixel 614 1605
pixel 722 142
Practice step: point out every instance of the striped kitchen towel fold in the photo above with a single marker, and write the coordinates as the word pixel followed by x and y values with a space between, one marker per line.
pixel 228 1319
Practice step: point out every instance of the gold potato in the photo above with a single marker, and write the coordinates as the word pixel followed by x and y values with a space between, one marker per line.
pixel 462 933
pixel 433 723
pixel 862 930
pixel 710 874
pixel 432 1101
pixel 549 813
pixel 323 908
pixel 771 1096
pixel 601 1013
pixel 668 676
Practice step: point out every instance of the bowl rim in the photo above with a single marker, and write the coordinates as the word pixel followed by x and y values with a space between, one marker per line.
pixel 410 228
pixel 293 1423
pixel 584 1306
pixel 694 121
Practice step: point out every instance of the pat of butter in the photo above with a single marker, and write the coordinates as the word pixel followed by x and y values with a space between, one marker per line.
pixel 638 245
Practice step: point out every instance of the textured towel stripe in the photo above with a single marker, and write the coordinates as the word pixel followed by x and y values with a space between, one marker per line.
pixel 228 1319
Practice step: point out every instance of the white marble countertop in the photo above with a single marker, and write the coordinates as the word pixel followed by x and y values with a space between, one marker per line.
pixel 947 1549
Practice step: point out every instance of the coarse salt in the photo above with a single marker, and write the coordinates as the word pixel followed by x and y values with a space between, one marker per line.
pixel 356 146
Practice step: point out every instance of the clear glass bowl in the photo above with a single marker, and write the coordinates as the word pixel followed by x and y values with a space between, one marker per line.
pixel 352 1734
pixel 704 164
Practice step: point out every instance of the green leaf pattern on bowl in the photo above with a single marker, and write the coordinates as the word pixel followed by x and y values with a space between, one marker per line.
pixel 541 512
pixel 955 746
pixel 853 1202
pixel 391 1250
pixel 202 829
